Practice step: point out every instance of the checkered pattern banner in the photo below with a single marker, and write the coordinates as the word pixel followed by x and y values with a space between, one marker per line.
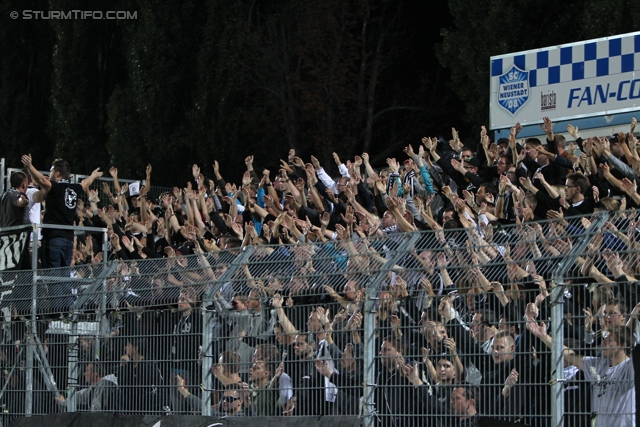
pixel 585 79
pixel 577 62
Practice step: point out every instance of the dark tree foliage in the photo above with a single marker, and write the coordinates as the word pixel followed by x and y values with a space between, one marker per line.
pixel 484 29
pixel 331 70
pixel 25 84
pixel 203 80
pixel 87 61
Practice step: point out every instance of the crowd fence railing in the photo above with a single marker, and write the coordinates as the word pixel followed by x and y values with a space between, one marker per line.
pixel 155 190
pixel 398 330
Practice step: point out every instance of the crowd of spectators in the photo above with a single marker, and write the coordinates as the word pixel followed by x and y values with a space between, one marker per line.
pixel 462 316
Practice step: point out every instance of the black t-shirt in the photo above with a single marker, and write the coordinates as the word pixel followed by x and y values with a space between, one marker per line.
pixel 10 213
pixel 62 201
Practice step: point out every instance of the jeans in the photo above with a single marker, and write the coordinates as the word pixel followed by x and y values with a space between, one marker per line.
pixel 57 252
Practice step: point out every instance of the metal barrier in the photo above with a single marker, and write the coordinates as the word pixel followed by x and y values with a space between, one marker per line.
pixel 155 191
pixel 434 328
pixel 2 184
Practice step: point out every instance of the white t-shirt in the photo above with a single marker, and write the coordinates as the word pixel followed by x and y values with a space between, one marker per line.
pixel 32 213
pixel 613 395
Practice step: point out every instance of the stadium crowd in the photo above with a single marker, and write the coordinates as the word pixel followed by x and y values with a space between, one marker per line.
pixel 462 316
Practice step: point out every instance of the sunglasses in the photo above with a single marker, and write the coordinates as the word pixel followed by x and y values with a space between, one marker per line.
pixel 230 399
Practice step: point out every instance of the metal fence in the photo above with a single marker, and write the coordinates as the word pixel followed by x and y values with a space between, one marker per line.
pixel 454 327
pixel 97 185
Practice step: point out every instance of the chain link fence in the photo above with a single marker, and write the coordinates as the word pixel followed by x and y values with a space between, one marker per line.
pixel 456 327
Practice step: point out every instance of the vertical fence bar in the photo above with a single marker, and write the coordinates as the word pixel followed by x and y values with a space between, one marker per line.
pixel 2 175
pixel 207 339
pixel 557 349
pixel 368 410
pixel 557 315
pixel 104 321
pixel 207 362
pixel 30 336
pixel 73 366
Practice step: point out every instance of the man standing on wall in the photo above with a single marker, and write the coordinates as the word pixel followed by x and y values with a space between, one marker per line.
pixel 61 198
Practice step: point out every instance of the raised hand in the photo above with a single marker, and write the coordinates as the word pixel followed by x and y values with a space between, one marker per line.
pixel 537 329
pixel 526 182
pixel 425 352
pixel 246 178
pixel 450 344
pixel 277 300
pixel 96 173
pixel 630 187
pixel 589 319
pixel 348 218
pixel 409 151
pixel 573 131
pixel 531 311
pixel 454 134
pixel 324 219
pixel 511 380
pixel 298 162
pixel 115 242
pixel 492 153
pixel 315 163
pixel 357 161
pixel 426 285
pixel 547 127
pixel 393 165
pixel 26 160
pixel 93 196
pixel 169 251
pixel 106 189
pixel 323 315
pixel 441 260
pixel 128 244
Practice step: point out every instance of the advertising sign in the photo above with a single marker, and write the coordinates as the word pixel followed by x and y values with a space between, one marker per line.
pixel 585 79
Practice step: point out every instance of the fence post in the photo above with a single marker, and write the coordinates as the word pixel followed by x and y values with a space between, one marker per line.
pixel 557 316
pixel 207 339
pixel 31 334
pixel 368 411
pixel 2 175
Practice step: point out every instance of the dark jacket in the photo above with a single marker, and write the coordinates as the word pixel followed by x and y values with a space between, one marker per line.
pixel 399 403
pixel 142 387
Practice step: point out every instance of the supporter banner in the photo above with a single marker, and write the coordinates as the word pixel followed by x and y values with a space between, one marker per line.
pixel 111 420
pixel 12 244
pixel 584 79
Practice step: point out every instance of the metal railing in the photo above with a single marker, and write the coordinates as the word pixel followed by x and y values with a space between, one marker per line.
pixel 155 191
pixel 408 329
